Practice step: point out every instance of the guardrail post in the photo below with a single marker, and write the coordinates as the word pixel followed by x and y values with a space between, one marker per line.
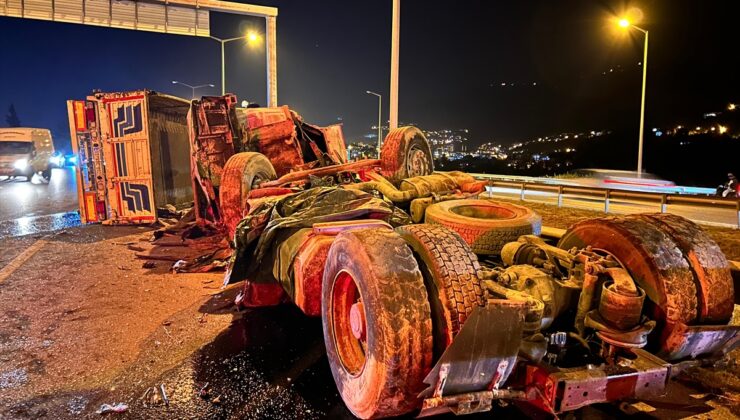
pixel 521 193
pixel 607 195
pixel 663 203
pixel 560 196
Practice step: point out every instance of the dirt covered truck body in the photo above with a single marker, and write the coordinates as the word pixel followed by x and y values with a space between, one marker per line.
pixel 133 153
pixel 435 301
pixel 219 129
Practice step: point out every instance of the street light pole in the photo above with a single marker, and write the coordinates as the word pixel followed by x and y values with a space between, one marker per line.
pixel 223 59
pixel 395 41
pixel 642 105
pixel 624 23
pixel 192 88
pixel 380 113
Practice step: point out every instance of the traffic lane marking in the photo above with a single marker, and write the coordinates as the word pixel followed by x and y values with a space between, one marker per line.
pixel 20 259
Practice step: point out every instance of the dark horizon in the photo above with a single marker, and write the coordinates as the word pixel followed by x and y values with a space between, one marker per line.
pixel 453 62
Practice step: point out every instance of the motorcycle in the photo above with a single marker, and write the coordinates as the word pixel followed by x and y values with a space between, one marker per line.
pixel 731 189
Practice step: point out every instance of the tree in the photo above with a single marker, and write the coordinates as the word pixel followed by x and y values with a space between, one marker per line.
pixel 12 117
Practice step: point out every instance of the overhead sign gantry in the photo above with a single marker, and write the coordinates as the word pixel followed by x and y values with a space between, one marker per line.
pixel 179 17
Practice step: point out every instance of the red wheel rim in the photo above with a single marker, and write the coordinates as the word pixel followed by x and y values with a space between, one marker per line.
pixel 348 323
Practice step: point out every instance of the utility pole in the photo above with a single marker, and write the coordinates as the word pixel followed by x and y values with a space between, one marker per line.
pixel 395 39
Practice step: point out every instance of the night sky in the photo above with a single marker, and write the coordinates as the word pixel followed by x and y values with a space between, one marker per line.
pixel 454 57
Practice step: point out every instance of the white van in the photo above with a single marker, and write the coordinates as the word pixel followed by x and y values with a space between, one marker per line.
pixel 25 152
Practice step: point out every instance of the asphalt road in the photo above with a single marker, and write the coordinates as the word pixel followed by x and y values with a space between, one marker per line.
pixel 721 216
pixel 33 207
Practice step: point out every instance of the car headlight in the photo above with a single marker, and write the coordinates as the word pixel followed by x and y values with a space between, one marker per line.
pixel 21 164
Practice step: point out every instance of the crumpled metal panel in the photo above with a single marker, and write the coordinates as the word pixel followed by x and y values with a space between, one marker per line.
pixel 271 131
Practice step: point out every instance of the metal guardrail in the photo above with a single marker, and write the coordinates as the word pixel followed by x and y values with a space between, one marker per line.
pixel 608 194
pixel 678 189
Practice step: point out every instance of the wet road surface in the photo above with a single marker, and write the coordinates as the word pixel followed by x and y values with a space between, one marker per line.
pixel 271 364
pixel 83 324
pixel 34 207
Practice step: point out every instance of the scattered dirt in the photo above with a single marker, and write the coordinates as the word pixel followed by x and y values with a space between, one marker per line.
pixel 82 315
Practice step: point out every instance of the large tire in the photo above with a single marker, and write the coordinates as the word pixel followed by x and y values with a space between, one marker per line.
pixel 651 256
pixel 405 154
pixel 712 273
pixel 242 173
pixel 450 271
pixel 484 224
pixel 379 367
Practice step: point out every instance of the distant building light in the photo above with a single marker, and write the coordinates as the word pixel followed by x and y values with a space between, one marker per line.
pixel 722 129
pixel 654 129
pixel 731 107
pixel 658 133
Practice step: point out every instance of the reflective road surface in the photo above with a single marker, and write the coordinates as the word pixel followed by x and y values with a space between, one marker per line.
pixel 33 207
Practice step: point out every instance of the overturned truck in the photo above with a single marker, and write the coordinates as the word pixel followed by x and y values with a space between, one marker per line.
pixel 434 300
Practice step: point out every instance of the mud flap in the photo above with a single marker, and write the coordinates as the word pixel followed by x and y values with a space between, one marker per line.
pixel 481 357
pixel 692 341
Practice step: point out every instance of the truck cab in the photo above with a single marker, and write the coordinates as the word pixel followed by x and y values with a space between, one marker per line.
pixel 25 152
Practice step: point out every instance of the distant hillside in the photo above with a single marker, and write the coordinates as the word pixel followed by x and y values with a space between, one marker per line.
pixel 687 159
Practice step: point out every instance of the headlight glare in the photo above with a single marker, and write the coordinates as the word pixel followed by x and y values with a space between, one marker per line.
pixel 21 164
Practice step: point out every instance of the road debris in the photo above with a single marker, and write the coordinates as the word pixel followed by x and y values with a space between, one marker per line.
pixel 113 408
pixel 164 395
pixel 203 392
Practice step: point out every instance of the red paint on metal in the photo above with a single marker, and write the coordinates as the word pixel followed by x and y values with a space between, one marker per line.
pixel 262 294
pixel 308 271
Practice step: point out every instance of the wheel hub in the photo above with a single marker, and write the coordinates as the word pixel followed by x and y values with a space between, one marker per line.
pixel 357 320
pixel 417 163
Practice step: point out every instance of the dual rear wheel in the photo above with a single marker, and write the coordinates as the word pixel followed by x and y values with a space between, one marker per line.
pixel 392 302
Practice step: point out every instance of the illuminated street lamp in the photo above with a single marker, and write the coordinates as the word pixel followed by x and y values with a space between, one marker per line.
pixel 626 24
pixel 250 37
pixel 380 127
pixel 192 88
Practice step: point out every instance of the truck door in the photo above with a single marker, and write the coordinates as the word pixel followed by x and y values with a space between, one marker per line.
pixel 127 155
pixel 90 168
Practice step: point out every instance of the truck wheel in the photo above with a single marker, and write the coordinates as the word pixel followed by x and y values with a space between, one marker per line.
pixel 405 154
pixel 485 225
pixel 712 273
pixel 46 174
pixel 651 256
pixel 376 322
pixel 450 272
pixel 242 173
